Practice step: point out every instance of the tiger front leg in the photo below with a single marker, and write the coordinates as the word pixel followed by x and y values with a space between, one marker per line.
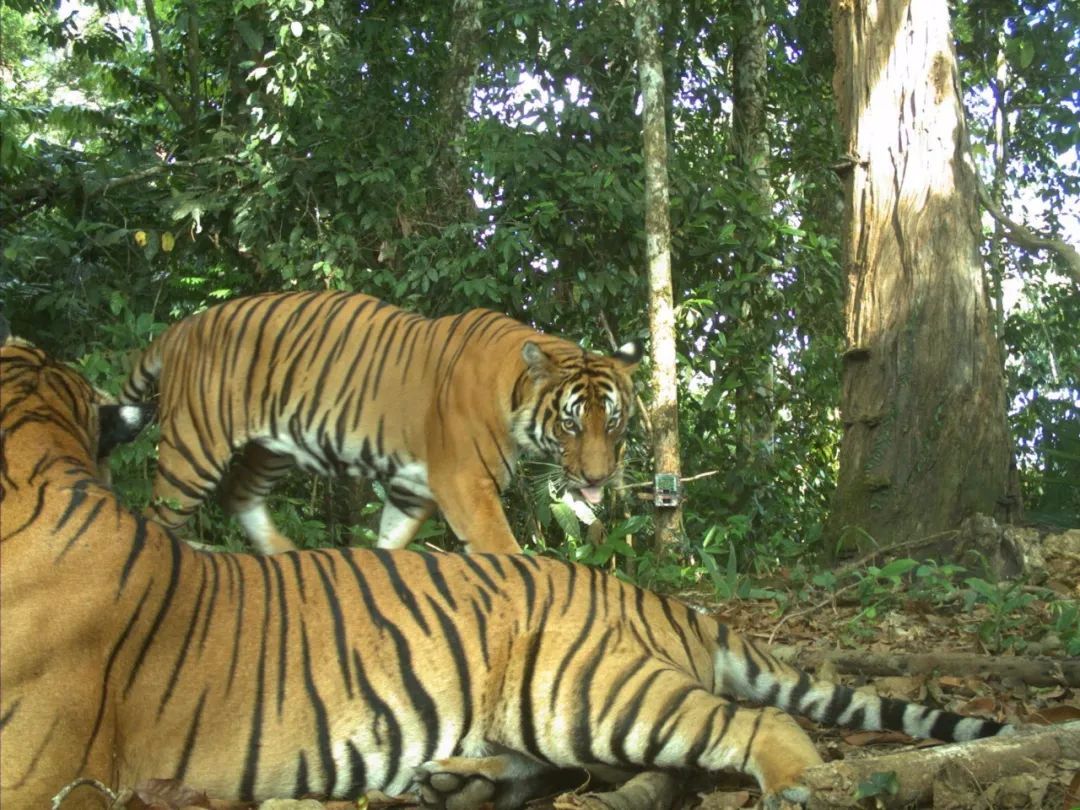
pixel 504 781
pixel 473 509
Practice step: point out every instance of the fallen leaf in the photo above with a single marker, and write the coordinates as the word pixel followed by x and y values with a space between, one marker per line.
pixel 1053 714
pixel 861 738
pixel 166 794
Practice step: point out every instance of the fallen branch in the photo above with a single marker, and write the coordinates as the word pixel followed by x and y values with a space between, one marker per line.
pixel 1032 671
pixel 984 761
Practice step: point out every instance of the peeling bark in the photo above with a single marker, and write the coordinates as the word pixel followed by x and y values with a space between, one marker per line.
pixel 925 442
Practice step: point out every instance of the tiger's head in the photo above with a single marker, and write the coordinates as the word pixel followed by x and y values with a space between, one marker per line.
pixel 47 407
pixel 578 414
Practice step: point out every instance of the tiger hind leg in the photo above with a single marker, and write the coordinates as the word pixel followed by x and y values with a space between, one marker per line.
pixel 399 524
pixel 179 487
pixel 657 718
pixel 249 481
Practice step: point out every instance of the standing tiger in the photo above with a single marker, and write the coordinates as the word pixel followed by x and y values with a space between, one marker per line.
pixel 128 655
pixel 346 384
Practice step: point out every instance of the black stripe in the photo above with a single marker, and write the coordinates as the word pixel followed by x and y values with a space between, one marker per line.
pixel 797 693
pixel 401 590
pixel 529 584
pixel 34 515
pixel 438 579
pixel 78 495
pixel 380 714
pixel 357 773
pixel 338 620
pixel 163 609
pixel 138 543
pixel 302 788
pixel 283 640
pixel 584 631
pixel 631 711
pixel 425 706
pixel 185 646
pixel 481 631
pixel 838 703
pixel 189 740
pixel 322 722
pixel 108 673
pixel 668 714
pixel 758 718
pixel 251 761
pixel 692 757
pixel 457 651
pixel 526 717
pixel 82 529
pixel 617 684
pixel 212 561
pixel 6 718
pixel 231 563
pixel 472 562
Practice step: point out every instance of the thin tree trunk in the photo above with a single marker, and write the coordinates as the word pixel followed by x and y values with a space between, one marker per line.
pixel 754 406
pixel 451 202
pixel 925 441
pixel 665 401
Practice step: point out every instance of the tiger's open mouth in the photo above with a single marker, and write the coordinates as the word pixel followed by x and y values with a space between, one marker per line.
pixel 592 494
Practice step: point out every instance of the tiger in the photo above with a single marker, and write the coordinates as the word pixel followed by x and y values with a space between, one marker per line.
pixel 340 383
pixel 469 679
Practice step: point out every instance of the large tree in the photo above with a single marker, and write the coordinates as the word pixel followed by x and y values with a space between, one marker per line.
pixel 925 439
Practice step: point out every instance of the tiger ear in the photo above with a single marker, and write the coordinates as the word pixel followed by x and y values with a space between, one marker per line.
pixel 540 366
pixel 629 354
pixel 120 424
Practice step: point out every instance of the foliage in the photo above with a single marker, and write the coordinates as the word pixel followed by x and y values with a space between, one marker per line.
pixel 1021 68
pixel 150 167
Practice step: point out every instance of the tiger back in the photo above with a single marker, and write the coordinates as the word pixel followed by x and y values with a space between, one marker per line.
pixel 439 410
pixel 128 655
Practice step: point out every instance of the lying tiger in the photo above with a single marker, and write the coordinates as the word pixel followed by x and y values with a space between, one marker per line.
pixel 346 384
pixel 127 654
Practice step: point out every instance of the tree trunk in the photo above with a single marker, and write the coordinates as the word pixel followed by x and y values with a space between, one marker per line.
pixel 923 400
pixel 665 401
pixel 754 400
pixel 452 201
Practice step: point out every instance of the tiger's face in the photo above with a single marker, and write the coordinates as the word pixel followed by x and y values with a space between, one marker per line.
pixel 580 413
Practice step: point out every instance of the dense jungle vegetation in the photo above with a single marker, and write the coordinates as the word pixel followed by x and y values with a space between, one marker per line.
pixel 161 156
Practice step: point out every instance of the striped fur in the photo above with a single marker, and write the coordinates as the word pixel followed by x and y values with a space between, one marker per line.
pixel 127 655
pixel 346 384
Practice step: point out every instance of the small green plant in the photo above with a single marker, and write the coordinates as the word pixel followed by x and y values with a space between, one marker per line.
pixel 1007 604
pixel 1066 624
pixel 936 582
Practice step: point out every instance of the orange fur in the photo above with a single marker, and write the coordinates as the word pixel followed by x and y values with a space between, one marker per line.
pixel 345 384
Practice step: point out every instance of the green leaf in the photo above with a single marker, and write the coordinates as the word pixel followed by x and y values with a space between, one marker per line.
pixel 567 520
pixel 897 568
pixel 880 783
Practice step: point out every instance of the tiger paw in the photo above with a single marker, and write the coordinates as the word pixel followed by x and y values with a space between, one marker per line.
pixel 445 790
